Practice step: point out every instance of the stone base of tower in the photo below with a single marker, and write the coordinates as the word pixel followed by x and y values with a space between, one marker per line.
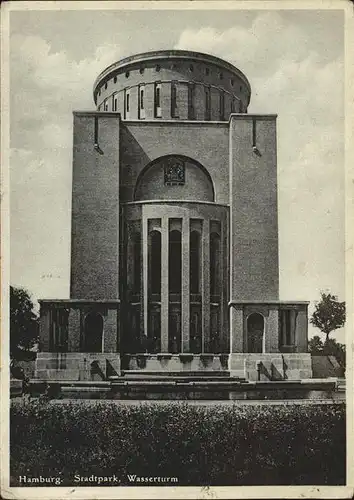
pixel 172 363
pixel 270 366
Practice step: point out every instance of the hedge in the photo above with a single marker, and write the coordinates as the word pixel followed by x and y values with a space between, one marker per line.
pixel 201 445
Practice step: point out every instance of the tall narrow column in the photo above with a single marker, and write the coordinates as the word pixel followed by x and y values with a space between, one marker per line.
pixel 236 329
pixel 301 330
pixel 206 285
pixel 293 314
pixel 223 269
pixel 164 284
pixel 44 328
pixel 271 340
pixel 185 284
pixel 145 273
pixel 74 326
pixel 110 331
pixel 283 327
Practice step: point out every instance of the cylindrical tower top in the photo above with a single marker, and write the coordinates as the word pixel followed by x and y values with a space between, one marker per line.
pixel 172 84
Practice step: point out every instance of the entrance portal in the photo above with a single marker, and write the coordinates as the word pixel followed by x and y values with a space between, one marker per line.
pixel 93 332
pixel 255 332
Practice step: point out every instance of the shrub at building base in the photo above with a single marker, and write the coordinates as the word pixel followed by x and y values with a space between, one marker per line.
pixel 219 445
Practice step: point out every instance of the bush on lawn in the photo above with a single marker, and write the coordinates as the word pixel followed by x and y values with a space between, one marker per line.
pixel 217 445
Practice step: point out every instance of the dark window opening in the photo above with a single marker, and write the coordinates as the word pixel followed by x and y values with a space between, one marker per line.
pixel 173 101
pixel 115 79
pixel 214 264
pixel 255 330
pixel 155 262
pixel 158 67
pixel 128 103
pixel 195 345
pixel 59 330
pixel 222 106
pixel 286 327
pixel 191 91
pixel 175 262
pixel 174 330
pixel 194 262
pixel 207 103
pixel 154 330
pixel 142 99
pixel 93 329
pixel 136 263
pixel 215 343
pixel 132 342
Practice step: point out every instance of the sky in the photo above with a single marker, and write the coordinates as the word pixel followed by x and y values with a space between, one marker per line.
pixel 294 62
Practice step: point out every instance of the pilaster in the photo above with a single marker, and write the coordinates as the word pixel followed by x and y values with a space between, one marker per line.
pixel 44 329
pixel 206 285
pixel 110 331
pixel 236 329
pixel 271 334
pixel 145 273
pixel 74 324
pixel 164 283
pixel 185 283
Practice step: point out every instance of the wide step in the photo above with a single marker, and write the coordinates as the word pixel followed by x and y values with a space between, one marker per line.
pixel 191 375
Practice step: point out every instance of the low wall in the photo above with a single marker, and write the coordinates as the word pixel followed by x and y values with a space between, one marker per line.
pixel 271 366
pixel 326 366
pixel 76 366
pixel 166 362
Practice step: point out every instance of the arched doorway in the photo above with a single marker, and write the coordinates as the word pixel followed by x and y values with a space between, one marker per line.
pixel 255 332
pixel 93 329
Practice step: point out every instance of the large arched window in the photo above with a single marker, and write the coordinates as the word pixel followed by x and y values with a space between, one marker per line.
pixel 194 262
pixel 136 239
pixel 175 261
pixel 214 264
pixel 155 262
pixel 93 328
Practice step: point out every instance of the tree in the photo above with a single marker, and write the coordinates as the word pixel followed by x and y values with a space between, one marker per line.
pixel 333 348
pixel 329 314
pixel 316 345
pixel 329 348
pixel 24 325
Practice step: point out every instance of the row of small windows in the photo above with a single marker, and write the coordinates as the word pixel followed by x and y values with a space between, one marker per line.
pixel 174 66
pixel 174 104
